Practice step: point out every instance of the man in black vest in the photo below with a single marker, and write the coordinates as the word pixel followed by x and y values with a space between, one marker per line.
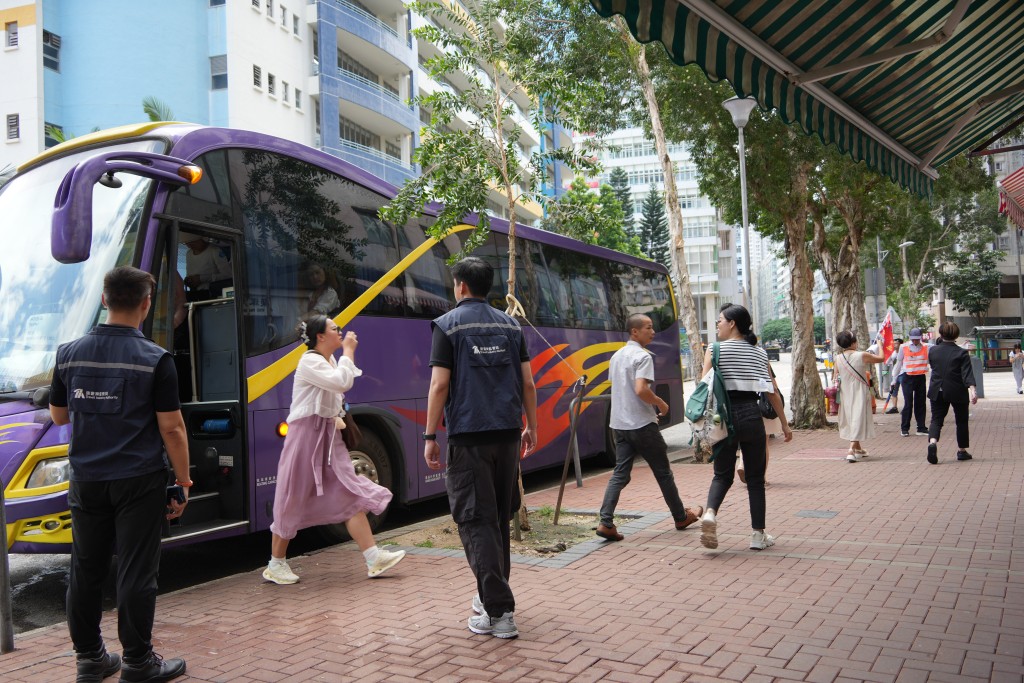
pixel 481 376
pixel 119 392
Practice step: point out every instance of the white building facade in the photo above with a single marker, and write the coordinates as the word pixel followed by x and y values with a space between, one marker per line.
pixel 710 245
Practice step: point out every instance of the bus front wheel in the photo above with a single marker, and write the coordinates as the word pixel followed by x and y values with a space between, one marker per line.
pixel 370 460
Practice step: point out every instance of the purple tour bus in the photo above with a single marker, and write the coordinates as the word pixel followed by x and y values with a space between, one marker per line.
pixel 298 231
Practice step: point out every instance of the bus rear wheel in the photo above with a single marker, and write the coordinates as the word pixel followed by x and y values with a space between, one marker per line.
pixel 370 460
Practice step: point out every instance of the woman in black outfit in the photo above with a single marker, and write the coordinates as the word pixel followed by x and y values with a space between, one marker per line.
pixel 743 367
pixel 952 385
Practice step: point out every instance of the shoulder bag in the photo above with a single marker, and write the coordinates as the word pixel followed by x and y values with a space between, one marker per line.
pixel 708 417
pixel 766 407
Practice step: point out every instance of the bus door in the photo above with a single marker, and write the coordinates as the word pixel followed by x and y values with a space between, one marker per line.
pixel 209 359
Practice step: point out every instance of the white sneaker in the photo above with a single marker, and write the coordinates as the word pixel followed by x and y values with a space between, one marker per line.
pixel 760 540
pixel 386 559
pixel 854 457
pixel 500 627
pixel 709 530
pixel 280 573
pixel 478 605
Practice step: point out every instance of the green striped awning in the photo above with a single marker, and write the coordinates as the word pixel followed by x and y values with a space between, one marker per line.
pixel 903 85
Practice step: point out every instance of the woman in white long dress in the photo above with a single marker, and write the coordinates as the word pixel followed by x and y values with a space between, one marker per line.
pixel 1017 363
pixel 855 423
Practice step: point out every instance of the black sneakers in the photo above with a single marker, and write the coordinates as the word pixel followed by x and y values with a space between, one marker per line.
pixel 933 453
pixel 93 669
pixel 964 455
pixel 152 669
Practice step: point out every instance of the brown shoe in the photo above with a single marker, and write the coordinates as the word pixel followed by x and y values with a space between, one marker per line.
pixel 691 517
pixel 609 532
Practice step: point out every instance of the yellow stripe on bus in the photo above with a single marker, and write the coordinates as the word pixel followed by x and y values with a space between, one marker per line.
pixel 270 376
pixel 108 135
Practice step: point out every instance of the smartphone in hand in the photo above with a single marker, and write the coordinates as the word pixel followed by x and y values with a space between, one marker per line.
pixel 175 492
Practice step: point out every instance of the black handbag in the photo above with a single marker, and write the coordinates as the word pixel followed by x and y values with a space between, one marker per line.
pixel 767 409
pixel 351 434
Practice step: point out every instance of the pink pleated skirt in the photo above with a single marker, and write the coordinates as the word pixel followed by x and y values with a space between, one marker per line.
pixel 314 454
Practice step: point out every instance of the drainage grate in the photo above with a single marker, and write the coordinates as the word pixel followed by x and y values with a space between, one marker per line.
pixel 817 514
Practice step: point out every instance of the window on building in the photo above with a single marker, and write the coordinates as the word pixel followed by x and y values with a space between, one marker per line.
pixel 286 96
pixel 270 9
pixel 346 63
pixel 53 133
pixel 11 31
pixel 353 132
pixel 284 17
pixel 298 99
pixel 295 24
pixel 13 126
pixel 256 4
pixel 271 85
pixel 393 150
pixel 51 51
pixel 216 3
pixel 257 76
pixel 218 72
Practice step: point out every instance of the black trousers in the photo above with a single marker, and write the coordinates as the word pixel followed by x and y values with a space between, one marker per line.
pixel 914 395
pixel 121 517
pixel 961 411
pixel 751 437
pixel 648 443
pixel 483 492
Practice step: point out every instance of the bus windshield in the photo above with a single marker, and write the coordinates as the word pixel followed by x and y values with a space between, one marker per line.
pixel 44 303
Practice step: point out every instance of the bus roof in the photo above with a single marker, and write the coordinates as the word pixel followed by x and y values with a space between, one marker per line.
pixel 98 137
pixel 996 329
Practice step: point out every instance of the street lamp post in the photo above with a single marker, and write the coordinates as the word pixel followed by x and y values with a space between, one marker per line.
pixel 879 276
pixel 739 109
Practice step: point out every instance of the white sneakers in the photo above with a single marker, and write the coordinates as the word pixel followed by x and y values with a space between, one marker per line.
pixel 280 573
pixel 760 540
pixel 478 605
pixel 709 530
pixel 853 456
pixel 499 627
pixel 386 559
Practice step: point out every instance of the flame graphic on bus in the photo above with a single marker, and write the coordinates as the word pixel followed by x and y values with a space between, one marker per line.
pixel 553 412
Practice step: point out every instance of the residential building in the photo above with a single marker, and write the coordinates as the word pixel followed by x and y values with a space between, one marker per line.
pixel 711 246
pixel 333 74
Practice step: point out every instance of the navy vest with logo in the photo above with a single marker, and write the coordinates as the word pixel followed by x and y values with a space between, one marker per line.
pixel 485 392
pixel 109 375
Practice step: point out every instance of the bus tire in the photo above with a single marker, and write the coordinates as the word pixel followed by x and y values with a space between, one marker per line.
pixel 370 460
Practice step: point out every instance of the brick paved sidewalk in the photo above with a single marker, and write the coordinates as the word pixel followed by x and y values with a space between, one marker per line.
pixel 884 570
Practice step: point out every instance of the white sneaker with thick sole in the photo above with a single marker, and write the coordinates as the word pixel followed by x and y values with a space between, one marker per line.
pixel 280 573
pixel 760 540
pixel 386 559
pixel 500 627
pixel 709 530
pixel 854 457
pixel 478 605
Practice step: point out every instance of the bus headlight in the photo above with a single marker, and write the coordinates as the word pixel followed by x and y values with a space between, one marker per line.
pixel 49 472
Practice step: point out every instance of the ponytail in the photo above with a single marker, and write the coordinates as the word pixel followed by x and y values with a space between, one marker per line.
pixel 750 337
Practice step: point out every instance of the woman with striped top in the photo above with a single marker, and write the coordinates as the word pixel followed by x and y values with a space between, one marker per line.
pixel 743 367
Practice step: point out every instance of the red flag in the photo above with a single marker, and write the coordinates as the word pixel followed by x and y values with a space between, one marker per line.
pixel 888 346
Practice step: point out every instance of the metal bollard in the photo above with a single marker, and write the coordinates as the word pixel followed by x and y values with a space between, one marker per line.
pixel 6 610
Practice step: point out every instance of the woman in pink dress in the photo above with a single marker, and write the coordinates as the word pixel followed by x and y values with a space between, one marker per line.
pixel 316 481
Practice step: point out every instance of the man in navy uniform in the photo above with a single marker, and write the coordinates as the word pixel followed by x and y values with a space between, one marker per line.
pixel 119 392
pixel 481 376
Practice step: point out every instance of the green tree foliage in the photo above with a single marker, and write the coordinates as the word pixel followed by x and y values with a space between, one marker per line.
pixel 619 181
pixel 494 45
pixel 594 218
pixel 156 109
pixel 653 229
pixel 972 280
pixel 777 330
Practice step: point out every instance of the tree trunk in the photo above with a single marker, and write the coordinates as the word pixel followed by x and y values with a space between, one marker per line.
pixel 681 274
pixel 808 397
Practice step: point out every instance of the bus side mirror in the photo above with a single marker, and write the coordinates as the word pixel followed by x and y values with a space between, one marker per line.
pixel 71 225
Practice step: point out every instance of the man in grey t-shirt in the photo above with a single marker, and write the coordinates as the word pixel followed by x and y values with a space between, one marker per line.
pixel 634 421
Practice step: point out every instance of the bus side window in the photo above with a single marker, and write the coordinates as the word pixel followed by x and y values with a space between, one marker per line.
pixel 428 282
pixel 560 277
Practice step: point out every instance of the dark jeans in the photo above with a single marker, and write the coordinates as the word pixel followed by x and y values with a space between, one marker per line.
pixel 749 427
pixel 940 408
pixel 121 517
pixel 913 400
pixel 648 443
pixel 483 492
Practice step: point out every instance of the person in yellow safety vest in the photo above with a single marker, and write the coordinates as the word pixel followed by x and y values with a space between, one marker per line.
pixel 913 359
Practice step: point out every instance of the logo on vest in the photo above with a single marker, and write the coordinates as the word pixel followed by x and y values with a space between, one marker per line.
pixel 479 350
pixel 94 395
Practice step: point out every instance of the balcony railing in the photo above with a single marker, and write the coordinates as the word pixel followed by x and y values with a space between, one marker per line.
pixel 367 84
pixel 368 18
pixel 376 162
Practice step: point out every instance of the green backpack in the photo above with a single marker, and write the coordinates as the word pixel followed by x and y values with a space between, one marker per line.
pixel 708 407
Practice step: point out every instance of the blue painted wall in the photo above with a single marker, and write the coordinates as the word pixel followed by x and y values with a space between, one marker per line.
pixel 115 53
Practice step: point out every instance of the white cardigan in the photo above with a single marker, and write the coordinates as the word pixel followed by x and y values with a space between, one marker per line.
pixel 320 386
